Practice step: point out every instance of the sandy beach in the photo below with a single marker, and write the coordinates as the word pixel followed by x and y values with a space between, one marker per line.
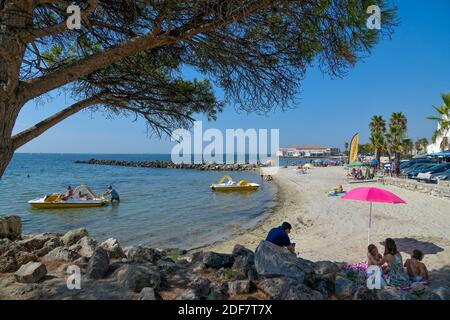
pixel 329 228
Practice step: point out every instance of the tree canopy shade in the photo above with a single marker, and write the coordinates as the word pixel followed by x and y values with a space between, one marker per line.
pixel 128 55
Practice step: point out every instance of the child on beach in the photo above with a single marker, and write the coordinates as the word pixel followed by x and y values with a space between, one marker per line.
pixel 374 258
pixel 417 271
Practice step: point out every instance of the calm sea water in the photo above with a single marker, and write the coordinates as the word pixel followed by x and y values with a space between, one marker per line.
pixel 160 207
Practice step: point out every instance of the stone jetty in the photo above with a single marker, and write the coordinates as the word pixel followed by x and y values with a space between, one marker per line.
pixel 171 165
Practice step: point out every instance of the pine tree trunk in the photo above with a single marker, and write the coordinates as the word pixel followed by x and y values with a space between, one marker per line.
pixel 6 153
pixel 14 15
pixel 8 116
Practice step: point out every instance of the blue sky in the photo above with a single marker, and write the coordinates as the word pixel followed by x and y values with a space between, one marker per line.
pixel 406 73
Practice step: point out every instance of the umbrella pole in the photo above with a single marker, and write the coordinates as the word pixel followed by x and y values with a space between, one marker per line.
pixel 370 225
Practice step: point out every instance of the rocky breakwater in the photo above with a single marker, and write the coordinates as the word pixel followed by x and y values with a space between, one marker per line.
pixel 40 267
pixel 171 165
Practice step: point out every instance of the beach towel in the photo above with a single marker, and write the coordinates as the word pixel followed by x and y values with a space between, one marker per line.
pixel 336 194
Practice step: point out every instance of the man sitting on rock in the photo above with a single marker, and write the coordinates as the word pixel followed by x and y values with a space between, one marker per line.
pixel 279 236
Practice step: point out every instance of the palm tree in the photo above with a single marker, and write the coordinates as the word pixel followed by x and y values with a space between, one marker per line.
pixel 346 148
pixel 408 146
pixel 421 145
pixel 377 124
pixel 377 128
pixel 396 136
pixel 443 120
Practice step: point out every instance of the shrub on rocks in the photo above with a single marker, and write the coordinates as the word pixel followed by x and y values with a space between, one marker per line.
pixel 10 227
pixel 73 236
pixel 31 272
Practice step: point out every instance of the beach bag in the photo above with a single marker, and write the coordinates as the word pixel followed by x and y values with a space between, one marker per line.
pixel 375 278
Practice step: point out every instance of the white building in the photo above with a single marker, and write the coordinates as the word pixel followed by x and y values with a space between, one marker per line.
pixel 309 151
pixel 436 147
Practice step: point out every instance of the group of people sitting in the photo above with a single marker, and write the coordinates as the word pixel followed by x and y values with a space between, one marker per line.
pixel 78 194
pixel 393 269
pixel 391 263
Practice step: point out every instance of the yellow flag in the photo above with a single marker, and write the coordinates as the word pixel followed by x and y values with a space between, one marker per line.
pixel 353 155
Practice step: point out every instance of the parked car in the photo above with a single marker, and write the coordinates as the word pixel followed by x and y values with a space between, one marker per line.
pixel 435 178
pixel 417 167
pixel 436 169
pixel 413 173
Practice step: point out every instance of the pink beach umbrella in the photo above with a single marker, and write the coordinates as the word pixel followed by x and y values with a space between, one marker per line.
pixel 371 194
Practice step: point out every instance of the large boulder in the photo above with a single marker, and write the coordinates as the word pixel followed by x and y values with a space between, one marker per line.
pixel 142 254
pixel 343 288
pixel 73 236
pixel 85 247
pixel 61 254
pixel 188 294
pixel 114 249
pixel 283 288
pixel 244 267
pixel 148 294
pixel 201 286
pixel 240 250
pixel 390 293
pixel 272 260
pixel 14 258
pixel 48 246
pixel 10 227
pixel 8 264
pixel 443 292
pixel 325 268
pixel 5 245
pixel 364 293
pixel 136 277
pixel 98 264
pixel 213 259
pixel 239 287
pixel 35 242
pixel 31 272
pixel 24 257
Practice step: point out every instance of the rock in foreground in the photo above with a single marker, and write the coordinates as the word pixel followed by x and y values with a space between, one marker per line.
pixel 31 272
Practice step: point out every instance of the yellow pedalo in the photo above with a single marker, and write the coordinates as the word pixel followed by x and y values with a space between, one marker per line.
pixel 226 183
pixel 80 200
